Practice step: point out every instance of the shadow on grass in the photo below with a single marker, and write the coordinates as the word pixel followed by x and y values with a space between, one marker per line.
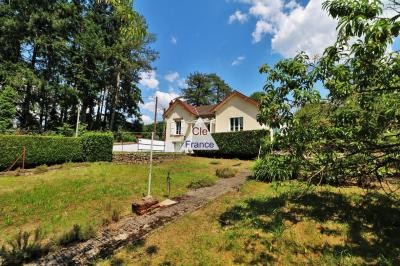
pixel 373 221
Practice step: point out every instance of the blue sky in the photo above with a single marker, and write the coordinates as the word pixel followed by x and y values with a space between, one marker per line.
pixel 232 38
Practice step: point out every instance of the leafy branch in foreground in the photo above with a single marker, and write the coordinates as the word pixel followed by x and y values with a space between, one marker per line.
pixel 354 135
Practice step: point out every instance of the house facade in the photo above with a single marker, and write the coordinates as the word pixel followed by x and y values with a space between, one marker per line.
pixel 236 112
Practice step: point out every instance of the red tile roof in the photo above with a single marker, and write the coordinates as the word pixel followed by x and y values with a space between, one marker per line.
pixel 207 110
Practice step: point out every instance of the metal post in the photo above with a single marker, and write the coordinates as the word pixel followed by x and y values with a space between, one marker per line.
pixel 77 121
pixel 155 116
pixel 151 166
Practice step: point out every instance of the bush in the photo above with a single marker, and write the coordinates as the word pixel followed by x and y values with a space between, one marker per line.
pixel 241 144
pixel 225 172
pixel 124 137
pixel 98 146
pixel 273 168
pixel 23 248
pixel 49 150
pixel 201 182
pixel 40 150
pixel 76 235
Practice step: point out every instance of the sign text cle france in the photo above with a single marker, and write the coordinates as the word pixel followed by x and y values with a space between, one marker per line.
pixel 199 138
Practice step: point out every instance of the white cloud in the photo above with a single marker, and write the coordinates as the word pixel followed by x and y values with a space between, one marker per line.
pixel 149 80
pixel 147 119
pixel 292 5
pixel 238 16
pixel 181 83
pixel 164 98
pixel 262 27
pixel 238 60
pixel 292 27
pixel 172 76
pixel 174 40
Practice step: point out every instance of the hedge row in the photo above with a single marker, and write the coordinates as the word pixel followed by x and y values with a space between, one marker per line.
pixel 55 149
pixel 241 144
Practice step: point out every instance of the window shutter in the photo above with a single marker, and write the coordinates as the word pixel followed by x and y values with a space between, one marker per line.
pixel 173 128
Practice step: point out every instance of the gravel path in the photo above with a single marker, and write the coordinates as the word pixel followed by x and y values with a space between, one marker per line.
pixel 132 227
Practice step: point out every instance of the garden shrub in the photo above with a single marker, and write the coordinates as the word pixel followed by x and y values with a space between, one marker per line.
pixel 98 146
pixel 273 168
pixel 40 150
pixel 241 144
pixel 76 234
pixel 49 150
pixel 125 137
pixel 225 172
pixel 23 248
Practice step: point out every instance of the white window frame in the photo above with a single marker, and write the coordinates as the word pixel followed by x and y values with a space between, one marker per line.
pixel 178 127
pixel 236 124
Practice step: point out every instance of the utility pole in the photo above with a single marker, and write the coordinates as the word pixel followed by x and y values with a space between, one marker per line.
pixel 151 149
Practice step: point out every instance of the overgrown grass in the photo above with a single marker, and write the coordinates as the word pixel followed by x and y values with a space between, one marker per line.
pixel 200 182
pixel 265 224
pixel 226 172
pixel 87 194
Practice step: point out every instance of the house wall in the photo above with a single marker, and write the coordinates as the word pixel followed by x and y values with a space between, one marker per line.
pixel 179 112
pixel 237 107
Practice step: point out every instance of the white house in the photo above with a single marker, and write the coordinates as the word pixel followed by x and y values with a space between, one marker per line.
pixel 236 112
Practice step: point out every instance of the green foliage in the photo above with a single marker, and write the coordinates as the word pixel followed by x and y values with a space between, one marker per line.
pixel 76 235
pixel 241 144
pixel 354 135
pixel 205 89
pixel 48 150
pixel 98 146
pixel 226 172
pixel 257 95
pixel 200 182
pixel 23 248
pixel 58 55
pixel 40 150
pixel 273 168
pixel 8 110
pixel 125 137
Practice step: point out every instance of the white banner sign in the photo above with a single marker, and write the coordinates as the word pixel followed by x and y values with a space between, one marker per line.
pixel 199 139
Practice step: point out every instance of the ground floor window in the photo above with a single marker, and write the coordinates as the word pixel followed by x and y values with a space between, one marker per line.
pixel 236 124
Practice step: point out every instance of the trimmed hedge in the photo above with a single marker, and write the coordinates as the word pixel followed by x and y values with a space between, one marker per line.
pixel 241 144
pixel 55 149
pixel 98 146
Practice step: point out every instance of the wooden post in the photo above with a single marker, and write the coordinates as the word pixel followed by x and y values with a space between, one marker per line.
pixel 23 157
pixel 169 185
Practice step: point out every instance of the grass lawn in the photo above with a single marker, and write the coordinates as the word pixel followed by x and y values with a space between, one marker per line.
pixel 89 193
pixel 264 224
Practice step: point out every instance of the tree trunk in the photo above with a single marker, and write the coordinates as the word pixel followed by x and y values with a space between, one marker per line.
pixel 115 100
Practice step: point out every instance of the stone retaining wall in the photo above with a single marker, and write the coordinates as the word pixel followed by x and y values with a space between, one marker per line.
pixel 144 157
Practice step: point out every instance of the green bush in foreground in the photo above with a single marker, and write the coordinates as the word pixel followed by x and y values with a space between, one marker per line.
pixel 225 172
pixel 40 150
pixel 98 146
pixel 49 150
pixel 241 144
pixel 273 168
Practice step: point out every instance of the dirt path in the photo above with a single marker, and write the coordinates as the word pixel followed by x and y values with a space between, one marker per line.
pixel 131 228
